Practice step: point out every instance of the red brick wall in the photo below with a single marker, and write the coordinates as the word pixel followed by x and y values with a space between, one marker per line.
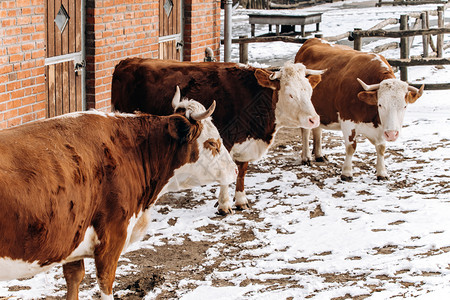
pixel 22 54
pixel 116 29
pixel 202 28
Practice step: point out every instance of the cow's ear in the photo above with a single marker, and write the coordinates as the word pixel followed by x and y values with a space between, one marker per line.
pixel 263 79
pixel 314 80
pixel 370 97
pixel 180 128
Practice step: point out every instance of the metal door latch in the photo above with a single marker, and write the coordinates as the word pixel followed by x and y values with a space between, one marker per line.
pixel 179 45
pixel 79 66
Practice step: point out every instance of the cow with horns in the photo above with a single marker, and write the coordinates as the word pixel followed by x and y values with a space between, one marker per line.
pixel 82 185
pixel 252 103
pixel 359 94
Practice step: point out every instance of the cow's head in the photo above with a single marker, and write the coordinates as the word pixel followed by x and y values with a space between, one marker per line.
pixel 214 163
pixel 293 84
pixel 391 96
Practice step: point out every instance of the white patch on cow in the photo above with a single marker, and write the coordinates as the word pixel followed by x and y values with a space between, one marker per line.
pixel 16 268
pixel 132 235
pixel 86 247
pixel 208 168
pixel 103 296
pixel 294 107
pixel 382 63
pixel 392 104
pixel 250 150
pixel 94 112
pixel 240 198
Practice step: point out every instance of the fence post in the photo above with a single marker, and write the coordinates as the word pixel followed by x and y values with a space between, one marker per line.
pixel 243 51
pixel 424 17
pixel 357 42
pixel 404 47
pixel 440 37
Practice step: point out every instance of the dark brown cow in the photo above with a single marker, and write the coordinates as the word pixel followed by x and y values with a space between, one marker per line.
pixel 82 185
pixel 252 104
pixel 345 102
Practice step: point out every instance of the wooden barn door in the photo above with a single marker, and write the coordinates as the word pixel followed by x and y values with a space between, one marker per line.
pixel 170 29
pixel 64 63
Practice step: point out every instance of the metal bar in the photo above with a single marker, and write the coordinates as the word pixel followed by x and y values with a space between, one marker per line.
pixel 227 31
pixel 172 37
pixel 77 57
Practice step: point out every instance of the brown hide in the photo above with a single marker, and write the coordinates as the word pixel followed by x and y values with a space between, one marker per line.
pixel 62 175
pixel 244 108
pixel 338 90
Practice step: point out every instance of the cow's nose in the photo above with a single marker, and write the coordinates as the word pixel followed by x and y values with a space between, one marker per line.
pixel 391 135
pixel 314 121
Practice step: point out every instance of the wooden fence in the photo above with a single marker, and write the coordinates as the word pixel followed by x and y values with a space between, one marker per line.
pixel 421 27
pixel 405 61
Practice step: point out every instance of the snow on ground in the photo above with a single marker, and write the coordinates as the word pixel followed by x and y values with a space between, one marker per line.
pixel 312 235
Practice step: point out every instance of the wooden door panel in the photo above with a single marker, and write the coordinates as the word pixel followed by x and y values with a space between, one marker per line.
pixel 170 31
pixel 64 49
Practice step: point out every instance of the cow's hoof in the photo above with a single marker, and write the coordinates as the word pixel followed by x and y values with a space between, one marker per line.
pixel 346 178
pixel 224 212
pixel 382 178
pixel 306 162
pixel 322 159
pixel 242 206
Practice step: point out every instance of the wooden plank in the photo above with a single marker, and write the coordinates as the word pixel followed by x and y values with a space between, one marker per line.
pixel 421 2
pixel 400 33
pixel 58 89
pixel 51 93
pixel 50 28
pixel 432 86
pixel 58 36
pixel 429 61
pixel 440 37
pixel 267 39
pixel 65 88
pixel 78 92
pixel 277 19
pixel 404 47
pixel 78 19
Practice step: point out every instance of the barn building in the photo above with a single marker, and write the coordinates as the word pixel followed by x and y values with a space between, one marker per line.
pixel 58 56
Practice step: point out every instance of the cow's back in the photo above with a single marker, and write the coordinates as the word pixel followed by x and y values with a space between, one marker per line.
pixel 148 85
pixel 54 179
pixel 338 90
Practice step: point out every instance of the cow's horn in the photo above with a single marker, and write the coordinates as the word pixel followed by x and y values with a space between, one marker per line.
pixel 275 75
pixel 366 87
pixel 415 90
pixel 176 98
pixel 315 72
pixel 206 114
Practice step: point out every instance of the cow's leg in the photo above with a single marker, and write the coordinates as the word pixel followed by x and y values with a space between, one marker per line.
pixel 350 147
pixel 74 274
pixel 306 153
pixel 239 196
pixel 381 168
pixel 317 145
pixel 224 201
pixel 107 256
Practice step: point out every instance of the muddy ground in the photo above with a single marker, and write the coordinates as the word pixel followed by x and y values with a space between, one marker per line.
pixel 163 268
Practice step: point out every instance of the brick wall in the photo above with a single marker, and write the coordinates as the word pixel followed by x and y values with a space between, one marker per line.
pixel 22 54
pixel 116 29
pixel 202 28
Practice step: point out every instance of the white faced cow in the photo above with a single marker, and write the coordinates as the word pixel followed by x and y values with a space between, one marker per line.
pixel 359 94
pixel 252 103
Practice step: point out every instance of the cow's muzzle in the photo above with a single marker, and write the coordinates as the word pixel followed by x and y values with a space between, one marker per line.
pixel 391 135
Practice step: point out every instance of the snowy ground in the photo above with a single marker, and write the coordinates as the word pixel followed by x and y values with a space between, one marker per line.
pixel 308 235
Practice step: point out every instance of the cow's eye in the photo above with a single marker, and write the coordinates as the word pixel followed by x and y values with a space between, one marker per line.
pixel 379 105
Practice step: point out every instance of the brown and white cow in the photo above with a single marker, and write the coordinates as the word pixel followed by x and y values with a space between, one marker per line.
pixel 252 103
pixel 82 185
pixel 359 94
